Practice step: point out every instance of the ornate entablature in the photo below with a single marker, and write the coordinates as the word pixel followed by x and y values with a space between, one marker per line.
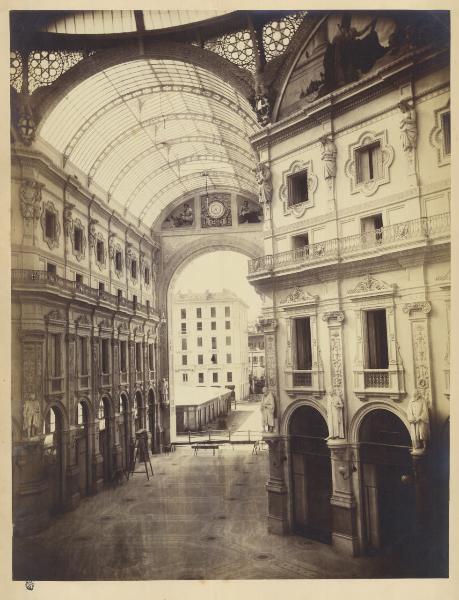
pixel 371 287
pixel 298 298
pixel 299 208
pixel 83 321
pixel 437 136
pixel 55 317
pixel 123 328
pixel 105 325
pixel 53 239
pixel 383 157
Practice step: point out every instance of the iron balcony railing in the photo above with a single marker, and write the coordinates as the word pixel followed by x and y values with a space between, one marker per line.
pixel 376 378
pixel 302 378
pixel 417 230
pixel 50 280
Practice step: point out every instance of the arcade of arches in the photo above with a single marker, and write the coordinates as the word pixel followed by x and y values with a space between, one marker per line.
pixel 318 145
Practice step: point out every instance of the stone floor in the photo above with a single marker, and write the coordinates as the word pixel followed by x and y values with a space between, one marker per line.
pixel 199 517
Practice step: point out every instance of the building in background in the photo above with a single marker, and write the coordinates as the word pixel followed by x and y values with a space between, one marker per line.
pixel 209 342
pixel 256 341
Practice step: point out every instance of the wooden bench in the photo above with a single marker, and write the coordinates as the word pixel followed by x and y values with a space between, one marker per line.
pixel 197 447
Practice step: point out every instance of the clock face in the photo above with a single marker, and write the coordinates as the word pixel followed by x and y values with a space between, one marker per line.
pixel 216 209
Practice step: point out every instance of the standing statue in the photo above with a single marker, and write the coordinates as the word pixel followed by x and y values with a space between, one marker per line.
pixel 265 185
pixel 31 417
pixel 418 417
pixel 267 410
pixel 165 391
pixel 328 156
pixel 408 126
pixel 335 415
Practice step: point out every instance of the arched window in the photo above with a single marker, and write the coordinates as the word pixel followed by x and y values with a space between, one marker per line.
pixel 101 415
pixel 49 423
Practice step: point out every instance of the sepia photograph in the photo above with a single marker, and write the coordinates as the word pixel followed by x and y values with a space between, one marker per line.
pixel 230 294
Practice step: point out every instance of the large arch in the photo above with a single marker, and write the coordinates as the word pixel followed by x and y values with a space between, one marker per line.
pixel 357 419
pixel 287 415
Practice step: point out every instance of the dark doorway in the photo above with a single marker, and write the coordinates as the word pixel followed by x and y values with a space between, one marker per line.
pixel 311 474
pixel 55 463
pixel 138 407
pixel 152 418
pixel 124 431
pixel 388 482
pixel 104 438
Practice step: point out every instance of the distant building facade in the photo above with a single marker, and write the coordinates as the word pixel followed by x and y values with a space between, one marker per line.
pixel 256 340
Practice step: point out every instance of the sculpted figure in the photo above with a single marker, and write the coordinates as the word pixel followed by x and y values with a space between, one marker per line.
pixel 408 126
pixel 328 155
pixel 335 407
pixel 265 186
pixel 165 391
pixel 418 417
pixel 267 410
pixel 31 417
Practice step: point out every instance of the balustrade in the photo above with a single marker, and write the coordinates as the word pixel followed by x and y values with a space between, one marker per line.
pixel 376 379
pixel 302 378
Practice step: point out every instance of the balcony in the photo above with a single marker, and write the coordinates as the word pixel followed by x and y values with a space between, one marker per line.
pixel 49 282
pixel 391 238
pixel 374 378
pixel 299 381
pixel 302 378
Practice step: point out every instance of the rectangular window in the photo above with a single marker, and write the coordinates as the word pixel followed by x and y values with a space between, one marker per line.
pixel 300 242
pixel 200 377
pixel 118 261
pixel 134 300
pixel 50 225
pixel 56 355
pixel 372 228
pixel 213 359
pixel 228 340
pixel 134 269
pixel 151 357
pixel 229 377
pixel 213 312
pixel 199 341
pixel 227 311
pixel 183 313
pixel 214 343
pixel 368 163
pixel 138 356
pixel 215 377
pixel 227 324
pixel 446 130
pixel 297 188
pixel 303 350
pixel 146 276
pixel 78 239
pixel 200 359
pixel 78 278
pixel 228 358
pixel 199 313
pixel 183 327
pixel 184 360
pixel 83 344
pixel 184 344
pixel 120 294
pixel 51 268
pixel 105 356
pixel 255 360
pixel 123 361
pixel 262 361
pixel 185 377
pixel 199 325
pixel 213 325
pixel 100 251
pixel 376 347
pixel 101 287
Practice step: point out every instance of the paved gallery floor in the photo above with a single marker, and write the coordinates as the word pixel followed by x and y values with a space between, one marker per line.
pixel 199 517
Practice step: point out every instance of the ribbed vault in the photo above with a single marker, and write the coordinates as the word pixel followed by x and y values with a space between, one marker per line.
pixel 145 130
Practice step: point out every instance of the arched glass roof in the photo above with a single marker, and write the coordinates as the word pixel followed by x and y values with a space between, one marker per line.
pixel 145 130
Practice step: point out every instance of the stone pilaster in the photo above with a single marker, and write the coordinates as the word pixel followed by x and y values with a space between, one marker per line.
pixel 418 313
pixel 275 486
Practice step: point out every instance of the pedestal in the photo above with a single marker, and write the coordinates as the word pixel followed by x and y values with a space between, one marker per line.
pixel 275 486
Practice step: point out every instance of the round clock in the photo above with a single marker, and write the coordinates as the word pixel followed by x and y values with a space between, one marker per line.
pixel 216 209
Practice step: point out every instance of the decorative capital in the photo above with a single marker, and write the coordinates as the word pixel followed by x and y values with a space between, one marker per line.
pixel 417 307
pixel 336 315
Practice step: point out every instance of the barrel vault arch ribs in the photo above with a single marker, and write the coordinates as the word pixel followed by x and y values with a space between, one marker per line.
pixel 358 418
pixel 291 409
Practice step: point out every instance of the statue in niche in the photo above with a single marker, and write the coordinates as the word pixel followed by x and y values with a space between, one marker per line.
pixel 328 156
pixel 335 407
pixel 265 185
pixel 165 391
pixel 267 410
pixel 418 417
pixel 349 54
pixel 31 414
pixel 248 214
pixel 408 125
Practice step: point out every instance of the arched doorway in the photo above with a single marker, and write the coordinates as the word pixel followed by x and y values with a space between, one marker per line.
pixel 123 425
pixel 138 411
pixel 82 449
pixel 310 474
pixel 152 418
pixel 53 431
pixel 388 492
pixel 105 443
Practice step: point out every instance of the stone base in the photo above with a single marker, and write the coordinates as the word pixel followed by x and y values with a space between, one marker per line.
pixel 72 501
pixel 277 525
pixel 345 544
pixel 97 486
pixel 31 509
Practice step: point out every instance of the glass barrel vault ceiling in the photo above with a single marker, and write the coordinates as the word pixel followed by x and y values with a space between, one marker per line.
pixel 145 130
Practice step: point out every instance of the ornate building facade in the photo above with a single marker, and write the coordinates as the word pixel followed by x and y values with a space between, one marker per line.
pixel 356 282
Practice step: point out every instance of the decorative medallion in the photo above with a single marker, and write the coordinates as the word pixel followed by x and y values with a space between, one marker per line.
pixel 216 210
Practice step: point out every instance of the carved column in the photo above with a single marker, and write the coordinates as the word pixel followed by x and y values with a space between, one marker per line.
pixel 72 496
pixel 418 313
pixel 344 534
pixel 97 460
pixel 117 451
pixel 30 488
pixel 275 486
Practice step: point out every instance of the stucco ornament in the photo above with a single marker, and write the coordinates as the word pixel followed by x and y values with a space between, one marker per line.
pixel 408 126
pixel 418 417
pixel 328 155
pixel 30 198
pixel 265 185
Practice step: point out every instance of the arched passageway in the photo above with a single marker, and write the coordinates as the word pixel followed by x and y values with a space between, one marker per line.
pixel 152 419
pixel 83 452
pixel 138 411
pixel 124 435
pixel 54 444
pixel 105 438
pixel 388 490
pixel 310 474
